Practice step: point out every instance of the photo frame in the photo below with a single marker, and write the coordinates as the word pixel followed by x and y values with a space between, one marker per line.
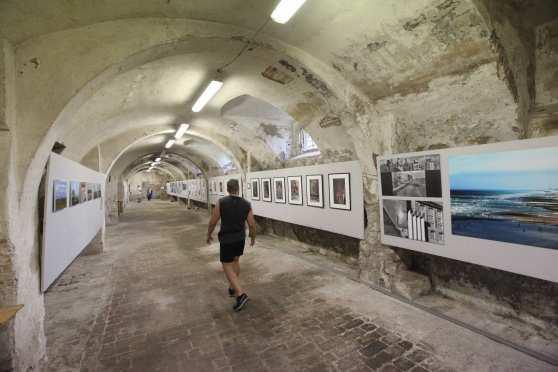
pixel 266 189
pixel 83 192
pixel 315 191
pixel 74 193
pixel 340 191
pixel 279 194
pixel 294 190
pixel 90 190
pixel 255 182
pixel 59 195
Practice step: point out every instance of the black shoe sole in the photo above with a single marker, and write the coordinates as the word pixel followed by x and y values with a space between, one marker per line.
pixel 239 306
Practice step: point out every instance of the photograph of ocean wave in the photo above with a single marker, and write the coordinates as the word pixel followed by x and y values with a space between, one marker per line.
pixel 509 196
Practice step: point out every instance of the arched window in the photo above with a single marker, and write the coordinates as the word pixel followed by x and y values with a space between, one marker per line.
pixel 307 144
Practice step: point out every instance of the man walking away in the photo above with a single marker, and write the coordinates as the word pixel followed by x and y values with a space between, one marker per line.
pixel 234 212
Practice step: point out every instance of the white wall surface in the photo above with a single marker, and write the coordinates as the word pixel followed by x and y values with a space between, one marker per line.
pixel 215 195
pixel 67 231
pixel 522 259
pixel 344 222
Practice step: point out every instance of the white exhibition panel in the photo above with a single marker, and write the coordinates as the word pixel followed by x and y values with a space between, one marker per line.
pixel 534 261
pixel 214 189
pixel 195 189
pixel 68 231
pixel 340 221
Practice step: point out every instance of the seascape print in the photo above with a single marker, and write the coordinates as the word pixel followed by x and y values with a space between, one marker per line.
pixel 507 196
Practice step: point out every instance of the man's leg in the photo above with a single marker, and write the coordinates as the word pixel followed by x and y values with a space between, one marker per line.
pixel 228 268
pixel 236 264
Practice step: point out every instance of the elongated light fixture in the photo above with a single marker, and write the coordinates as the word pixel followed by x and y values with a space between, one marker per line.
pixel 181 130
pixel 157 160
pixel 207 94
pixel 285 10
pixel 170 143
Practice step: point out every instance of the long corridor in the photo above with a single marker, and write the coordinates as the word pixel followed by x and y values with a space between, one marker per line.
pixel 155 300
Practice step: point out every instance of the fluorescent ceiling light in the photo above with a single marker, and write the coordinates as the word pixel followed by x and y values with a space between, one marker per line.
pixel 170 143
pixel 285 10
pixel 207 94
pixel 157 160
pixel 181 130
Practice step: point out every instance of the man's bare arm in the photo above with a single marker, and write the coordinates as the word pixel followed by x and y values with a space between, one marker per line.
pixel 215 216
pixel 252 226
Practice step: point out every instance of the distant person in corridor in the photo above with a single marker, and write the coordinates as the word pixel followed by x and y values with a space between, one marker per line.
pixel 234 212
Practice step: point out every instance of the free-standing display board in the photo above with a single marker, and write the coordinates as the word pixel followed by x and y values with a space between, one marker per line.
pixel 73 214
pixel 327 197
pixel 195 189
pixel 218 186
pixel 495 205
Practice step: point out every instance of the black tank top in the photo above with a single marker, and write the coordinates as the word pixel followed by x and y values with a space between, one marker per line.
pixel 234 211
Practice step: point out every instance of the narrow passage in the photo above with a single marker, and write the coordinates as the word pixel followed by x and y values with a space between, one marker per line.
pixel 156 300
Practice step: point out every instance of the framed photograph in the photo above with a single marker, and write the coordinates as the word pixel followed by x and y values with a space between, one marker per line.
pixel 220 187
pixel 294 190
pixel 506 196
pixel 279 190
pixel 60 195
pixel 255 188
pixel 90 191
pixel 340 191
pixel 315 191
pixel 74 193
pixel 266 189
pixel 82 192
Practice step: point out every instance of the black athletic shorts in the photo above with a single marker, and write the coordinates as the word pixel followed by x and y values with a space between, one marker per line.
pixel 229 251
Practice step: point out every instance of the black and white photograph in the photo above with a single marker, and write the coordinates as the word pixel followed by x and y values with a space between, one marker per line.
pixel 74 193
pixel 60 195
pixel 314 191
pixel 415 220
pixel 266 189
pixel 255 189
pixel 294 190
pixel 340 191
pixel 83 192
pixel 279 190
pixel 90 190
pixel 415 176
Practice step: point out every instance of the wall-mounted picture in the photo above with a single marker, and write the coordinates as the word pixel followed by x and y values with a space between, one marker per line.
pixel 314 191
pixel 340 191
pixel 279 195
pixel 90 187
pixel 255 189
pixel 74 193
pixel 415 220
pixel 60 195
pixel 82 192
pixel 221 187
pixel 266 189
pixel 294 190
pixel 509 196
pixel 415 176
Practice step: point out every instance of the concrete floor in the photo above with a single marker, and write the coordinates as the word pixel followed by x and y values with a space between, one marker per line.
pixel 156 300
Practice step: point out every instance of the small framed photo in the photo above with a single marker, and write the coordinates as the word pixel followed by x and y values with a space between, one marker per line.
pixel 266 189
pixel 74 193
pixel 90 188
pixel 60 195
pixel 315 191
pixel 255 182
pixel 294 190
pixel 279 190
pixel 340 191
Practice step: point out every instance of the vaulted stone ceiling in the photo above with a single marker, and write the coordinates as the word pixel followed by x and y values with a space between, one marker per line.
pixel 110 73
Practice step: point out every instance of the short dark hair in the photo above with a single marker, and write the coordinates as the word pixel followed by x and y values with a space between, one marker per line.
pixel 232 186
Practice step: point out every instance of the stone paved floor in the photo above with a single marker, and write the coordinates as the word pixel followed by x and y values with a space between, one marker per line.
pixel 156 300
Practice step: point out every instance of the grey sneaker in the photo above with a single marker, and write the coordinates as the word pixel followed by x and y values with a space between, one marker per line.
pixel 240 302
